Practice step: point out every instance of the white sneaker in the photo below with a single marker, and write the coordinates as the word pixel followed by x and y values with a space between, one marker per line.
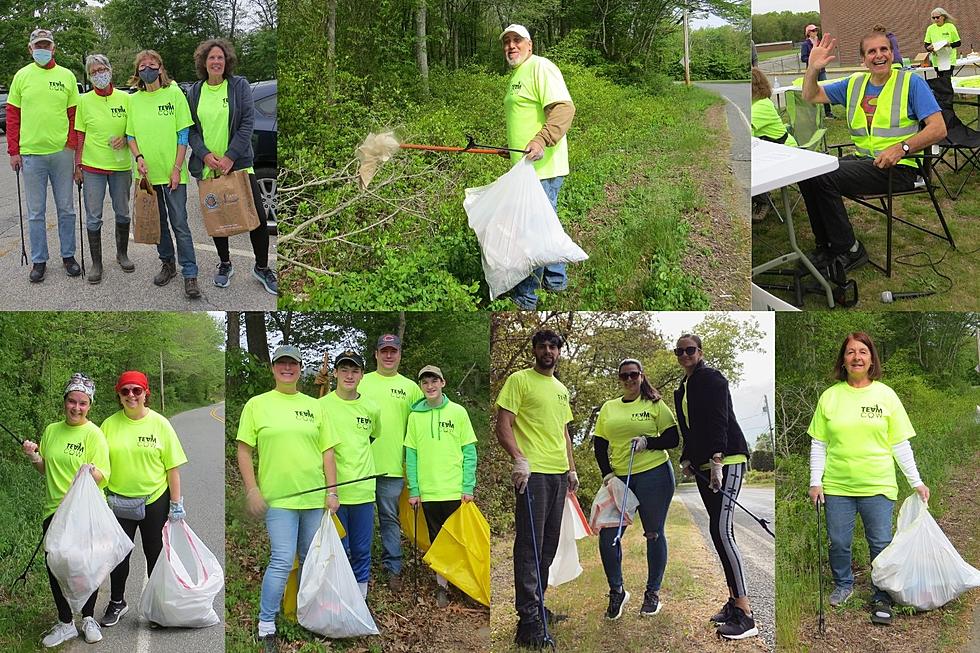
pixel 91 630
pixel 60 633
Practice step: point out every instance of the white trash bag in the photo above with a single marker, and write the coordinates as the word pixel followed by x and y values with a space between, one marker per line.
pixel 565 566
pixel 329 602
pixel 607 505
pixel 920 567
pixel 517 228
pixel 185 580
pixel 84 541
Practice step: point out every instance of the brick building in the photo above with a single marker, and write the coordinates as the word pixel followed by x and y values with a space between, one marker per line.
pixel 849 20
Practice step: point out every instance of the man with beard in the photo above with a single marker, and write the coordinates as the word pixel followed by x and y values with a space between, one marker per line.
pixel 532 426
pixel 539 112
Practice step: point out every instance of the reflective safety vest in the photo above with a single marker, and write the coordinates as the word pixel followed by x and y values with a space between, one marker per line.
pixel 891 123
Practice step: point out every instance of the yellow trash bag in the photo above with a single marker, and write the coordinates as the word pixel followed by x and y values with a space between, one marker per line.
pixel 292 583
pixel 407 518
pixel 461 552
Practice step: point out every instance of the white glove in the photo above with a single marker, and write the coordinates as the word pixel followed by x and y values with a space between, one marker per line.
pixel 572 480
pixel 608 477
pixel 520 474
pixel 639 443
pixel 686 468
pixel 716 480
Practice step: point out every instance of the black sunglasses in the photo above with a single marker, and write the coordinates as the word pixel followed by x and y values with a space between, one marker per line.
pixel 685 350
pixel 632 376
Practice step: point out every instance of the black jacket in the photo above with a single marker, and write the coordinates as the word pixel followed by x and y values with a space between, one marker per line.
pixel 713 427
pixel 241 123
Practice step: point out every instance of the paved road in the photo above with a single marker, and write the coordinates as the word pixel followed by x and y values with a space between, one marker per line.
pixel 756 546
pixel 119 291
pixel 738 109
pixel 202 434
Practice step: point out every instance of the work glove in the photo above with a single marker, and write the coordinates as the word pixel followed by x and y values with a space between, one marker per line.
pixel 715 482
pixel 608 477
pixel 572 481
pixel 177 510
pixel 520 474
pixel 686 469
pixel 639 443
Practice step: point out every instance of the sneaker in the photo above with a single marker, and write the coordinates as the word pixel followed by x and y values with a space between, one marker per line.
pixel 617 601
pixel 270 643
pixel 853 260
pixel 60 633
pixel 881 613
pixel 840 595
pixel 267 277
pixel 168 270
pixel 739 626
pixel 37 272
pixel 72 268
pixel 725 613
pixel 820 257
pixel 114 612
pixel 442 599
pixel 190 288
pixel 224 274
pixel 395 582
pixel 91 630
pixel 651 604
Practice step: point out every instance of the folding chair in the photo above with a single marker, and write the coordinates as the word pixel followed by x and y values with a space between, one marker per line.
pixel 806 126
pixel 963 142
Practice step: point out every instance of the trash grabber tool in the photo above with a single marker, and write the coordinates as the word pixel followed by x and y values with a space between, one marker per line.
pixel 81 228
pixel 415 537
pixel 537 571
pixel 23 575
pixel 446 148
pixel 470 144
pixel 19 441
pixel 821 625
pixel 622 513
pixel 20 209
pixel 762 522
pixel 327 487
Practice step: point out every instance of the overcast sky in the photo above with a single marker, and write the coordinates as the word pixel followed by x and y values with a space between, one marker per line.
pixel 798 6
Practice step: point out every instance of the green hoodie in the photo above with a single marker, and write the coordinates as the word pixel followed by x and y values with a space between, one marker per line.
pixel 445 444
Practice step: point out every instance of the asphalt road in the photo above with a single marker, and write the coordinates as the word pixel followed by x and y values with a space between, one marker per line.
pixel 757 548
pixel 201 434
pixel 119 291
pixel 738 109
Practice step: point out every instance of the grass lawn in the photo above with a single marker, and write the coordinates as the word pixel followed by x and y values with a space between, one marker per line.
pixel 766 56
pixel 912 250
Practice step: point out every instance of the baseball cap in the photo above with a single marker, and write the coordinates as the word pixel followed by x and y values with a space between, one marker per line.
pixel 39 35
pixel 431 369
pixel 287 351
pixel 389 340
pixel 520 30
pixel 348 357
pixel 809 27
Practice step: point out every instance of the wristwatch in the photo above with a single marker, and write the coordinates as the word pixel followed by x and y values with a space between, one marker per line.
pixel 905 147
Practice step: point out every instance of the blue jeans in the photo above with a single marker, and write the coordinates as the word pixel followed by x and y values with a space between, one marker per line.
pixel 654 488
pixel 38 169
pixel 290 534
pixel 94 185
pixel 358 521
pixel 551 277
pixel 387 493
pixel 876 514
pixel 173 204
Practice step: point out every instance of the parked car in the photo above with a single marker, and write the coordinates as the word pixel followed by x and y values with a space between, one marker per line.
pixel 264 145
pixel 3 113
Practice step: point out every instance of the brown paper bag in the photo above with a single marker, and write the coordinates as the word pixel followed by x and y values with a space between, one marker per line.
pixel 227 204
pixel 146 214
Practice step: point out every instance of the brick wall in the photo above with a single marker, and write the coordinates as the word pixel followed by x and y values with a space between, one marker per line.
pixel 849 20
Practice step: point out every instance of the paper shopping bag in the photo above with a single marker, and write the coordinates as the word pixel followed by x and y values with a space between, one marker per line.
pixel 227 204
pixel 146 214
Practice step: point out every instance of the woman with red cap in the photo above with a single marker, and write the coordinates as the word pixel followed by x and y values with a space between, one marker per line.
pixel 144 448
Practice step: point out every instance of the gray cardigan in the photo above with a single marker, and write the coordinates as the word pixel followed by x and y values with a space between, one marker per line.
pixel 241 122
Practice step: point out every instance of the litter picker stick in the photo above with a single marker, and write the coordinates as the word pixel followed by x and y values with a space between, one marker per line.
pixel 820 621
pixel 622 513
pixel 23 575
pixel 327 487
pixel 470 143
pixel 19 441
pixel 537 572
pixel 447 148
pixel 20 208
pixel 762 522
pixel 81 229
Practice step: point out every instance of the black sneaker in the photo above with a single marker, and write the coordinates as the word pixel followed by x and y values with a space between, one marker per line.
pixel 270 644
pixel 72 269
pixel 820 257
pixel 651 604
pixel 37 272
pixel 853 260
pixel 617 601
pixel 530 634
pixel 725 613
pixel 224 274
pixel 881 613
pixel 113 613
pixel 739 626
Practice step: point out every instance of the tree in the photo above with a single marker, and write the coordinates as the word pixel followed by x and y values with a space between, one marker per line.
pixel 421 54
pixel 233 331
pixel 258 344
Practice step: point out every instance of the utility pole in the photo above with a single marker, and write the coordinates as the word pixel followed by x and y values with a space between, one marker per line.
pixel 772 435
pixel 687 50
pixel 163 406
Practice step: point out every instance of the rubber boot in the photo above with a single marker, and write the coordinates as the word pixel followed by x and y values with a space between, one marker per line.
pixel 122 247
pixel 95 245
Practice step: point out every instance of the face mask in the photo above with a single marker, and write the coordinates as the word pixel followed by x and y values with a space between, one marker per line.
pixel 41 56
pixel 149 75
pixel 101 80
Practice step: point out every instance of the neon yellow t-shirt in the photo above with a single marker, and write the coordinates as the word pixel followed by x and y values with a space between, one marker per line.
pixel 766 122
pixel 620 421
pixel 394 396
pixel 141 451
pixel 43 97
pixel 290 433
pixel 102 119
pixel 541 405
pixel 212 111
pixel 356 423
pixel 438 435
pixel 532 86
pixel 945 32
pixel 860 427
pixel 154 119
pixel 66 448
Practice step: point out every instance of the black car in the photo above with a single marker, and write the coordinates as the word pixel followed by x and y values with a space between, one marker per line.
pixel 264 146
pixel 3 113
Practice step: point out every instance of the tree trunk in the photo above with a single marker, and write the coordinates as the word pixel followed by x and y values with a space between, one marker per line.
pixel 331 50
pixel 421 52
pixel 233 325
pixel 401 325
pixel 258 344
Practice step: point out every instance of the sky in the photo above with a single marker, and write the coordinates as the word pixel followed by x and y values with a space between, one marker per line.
pixel 797 6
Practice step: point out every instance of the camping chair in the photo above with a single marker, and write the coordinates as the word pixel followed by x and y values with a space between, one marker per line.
pixel 885 204
pixel 962 141
pixel 806 126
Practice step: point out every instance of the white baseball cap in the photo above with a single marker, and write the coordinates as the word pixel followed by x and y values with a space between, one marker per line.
pixel 520 30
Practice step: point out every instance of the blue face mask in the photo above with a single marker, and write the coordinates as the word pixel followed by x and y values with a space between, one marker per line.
pixel 41 56
pixel 149 75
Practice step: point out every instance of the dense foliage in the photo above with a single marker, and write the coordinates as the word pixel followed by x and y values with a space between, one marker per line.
pixel 782 25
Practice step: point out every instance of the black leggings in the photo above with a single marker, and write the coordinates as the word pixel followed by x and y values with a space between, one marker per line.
pixel 60 602
pixel 721 520
pixel 151 534
pixel 436 513
pixel 259 236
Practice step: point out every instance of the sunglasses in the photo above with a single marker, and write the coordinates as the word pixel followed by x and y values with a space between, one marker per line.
pixel 685 350
pixel 136 392
pixel 936 17
pixel 632 376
